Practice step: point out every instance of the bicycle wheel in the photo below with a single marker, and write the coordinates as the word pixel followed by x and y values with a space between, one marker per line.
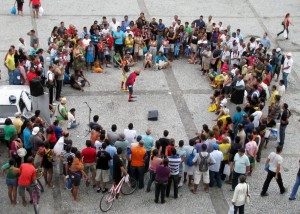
pixel 40 186
pixel 129 187
pixel 106 202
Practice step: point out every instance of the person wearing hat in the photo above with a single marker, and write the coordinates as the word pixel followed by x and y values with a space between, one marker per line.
pixel 241 166
pixel 35 140
pixel 61 114
pixel 136 155
pixel 130 82
pixel 214 174
pixel 17 122
pixel 287 67
pixel 128 31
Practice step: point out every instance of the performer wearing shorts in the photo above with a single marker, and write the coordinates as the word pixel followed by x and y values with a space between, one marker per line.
pixel 130 82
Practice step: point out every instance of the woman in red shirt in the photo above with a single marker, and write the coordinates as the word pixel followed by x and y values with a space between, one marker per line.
pixel 286 23
pixel 35 7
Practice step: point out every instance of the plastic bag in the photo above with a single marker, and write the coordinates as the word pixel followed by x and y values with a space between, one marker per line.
pixel 231 209
pixel 13 10
pixel 285 34
pixel 41 11
pixel 68 184
pixel 273 137
pixel 226 170
pixel 21 152
pixel 59 146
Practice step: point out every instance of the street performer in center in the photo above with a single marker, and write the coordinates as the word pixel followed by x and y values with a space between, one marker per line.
pixel 130 82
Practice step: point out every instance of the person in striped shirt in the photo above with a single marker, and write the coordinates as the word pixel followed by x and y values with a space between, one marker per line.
pixel 174 162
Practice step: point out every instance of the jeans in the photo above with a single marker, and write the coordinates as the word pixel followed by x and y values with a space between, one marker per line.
pixel 130 88
pixel 138 174
pixel 51 91
pixel 160 189
pixel 295 188
pixel 73 125
pixel 173 178
pixel 215 176
pixel 151 179
pixel 147 161
pixel 10 77
pixel 282 134
pixel 239 208
pixel 235 179
pixel 269 178
pixel 284 77
pixel 119 48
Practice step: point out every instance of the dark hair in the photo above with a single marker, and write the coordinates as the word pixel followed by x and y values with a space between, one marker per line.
pixel 78 155
pixel 181 143
pixel 242 178
pixel 72 110
pixel 11 162
pixel 278 149
pixel 102 137
pixel 88 143
pixel 37 113
pixel 74 149
pixel 114 127
pixel 238 108
pixel 130 126
pixel 191 142
pixel 55 123
pixel 47 145
pixel 104 145
pixel 68 148
pixel 251 118
pixel 285 105
pixel 107 142
pixel 8 122
pixel 70 160
pixel 166 133
pixel 249 136
pixel 203 147
pixel 96 118
pixel 237 139
pixel 205 127
pixel 172 142
pixel 173 151
pixel 119 151
pixel 157 144
pixel 154 153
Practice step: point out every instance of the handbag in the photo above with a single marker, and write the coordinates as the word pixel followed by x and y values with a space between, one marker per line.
pixel 141 52
pixel 226 170
pixel 248 196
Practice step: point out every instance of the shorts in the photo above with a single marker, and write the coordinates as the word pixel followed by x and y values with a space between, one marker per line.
pixel 189 169
pixel 252 161
pixel 194 47
pixel 75 178
pixel 21 190
pixel 89 167
pixel 102 175
pixel 107 58
pixel 35 6
pixel 136 48
pixel 172 47
pixel 20 7
pixel 12 182
pixel 7 143
pixel 101 56
pixel 198 175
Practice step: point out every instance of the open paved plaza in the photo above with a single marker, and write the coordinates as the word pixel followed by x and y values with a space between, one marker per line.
pixel 180 94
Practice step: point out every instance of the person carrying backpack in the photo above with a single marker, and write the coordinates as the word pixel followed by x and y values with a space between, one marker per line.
pixel 202 161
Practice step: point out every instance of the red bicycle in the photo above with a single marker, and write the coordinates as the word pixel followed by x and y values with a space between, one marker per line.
pixel 127 186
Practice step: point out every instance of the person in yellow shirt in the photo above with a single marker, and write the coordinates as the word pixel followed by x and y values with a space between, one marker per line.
pixel 273 95
pixel 129 44
pixel 224 147
pixel 17 122
pixel 10 64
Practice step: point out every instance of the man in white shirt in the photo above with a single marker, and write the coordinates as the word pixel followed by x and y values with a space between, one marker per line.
pixel 240 82
pixel 71 119
pixel 130 134
pixel 273 165
pixel 287 67
pixel 114 25
pixel 214 174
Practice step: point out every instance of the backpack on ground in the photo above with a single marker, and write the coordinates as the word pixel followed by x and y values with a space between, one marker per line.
pixel 190 158
pixel 203 166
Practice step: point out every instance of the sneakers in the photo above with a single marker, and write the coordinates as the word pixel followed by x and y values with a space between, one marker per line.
pixel 263 195
pixel 131 100
pixel 291 199
pixel 105 190
pixel 98 190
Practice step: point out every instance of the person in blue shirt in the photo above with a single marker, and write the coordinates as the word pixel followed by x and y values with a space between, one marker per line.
pixel 161 62
pixel 126 21
pixel 265 41
pixel 26 140
pixel 123 26
pixel 237 119
pixel 160 27
pixel 148 145
pixel 112 151
pixel 17 75
pixel 199 23
pixel 119 38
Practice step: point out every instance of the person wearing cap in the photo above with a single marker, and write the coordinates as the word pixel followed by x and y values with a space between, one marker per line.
pixel 214 174
pixel 136 155
pixel 241 166
pixel 128 31
pixel 280 61
pixel 287 67
pixel 61 114
pixel 130 82
pixel 17 122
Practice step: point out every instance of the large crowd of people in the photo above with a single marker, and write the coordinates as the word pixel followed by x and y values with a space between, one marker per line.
pixel 242 72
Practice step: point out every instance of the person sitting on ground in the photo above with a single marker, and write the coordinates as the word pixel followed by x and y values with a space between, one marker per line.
pixel 75 83
pixel 117 60
pixel 71 119
pixel 94 123
pixel 148 60
pixel 129 59
pixel 161 62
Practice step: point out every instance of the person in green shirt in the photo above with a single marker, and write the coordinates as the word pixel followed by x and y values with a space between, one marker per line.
pixel 61 114
pixel 117 60
pixel 187 28
pixel 9 131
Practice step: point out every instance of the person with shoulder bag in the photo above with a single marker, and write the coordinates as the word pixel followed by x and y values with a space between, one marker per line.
pixel 241 196
pixel 50 79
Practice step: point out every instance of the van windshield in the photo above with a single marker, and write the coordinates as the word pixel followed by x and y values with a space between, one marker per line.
pixel 8 111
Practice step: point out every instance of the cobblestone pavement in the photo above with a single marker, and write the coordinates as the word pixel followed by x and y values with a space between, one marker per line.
pixel 180 94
